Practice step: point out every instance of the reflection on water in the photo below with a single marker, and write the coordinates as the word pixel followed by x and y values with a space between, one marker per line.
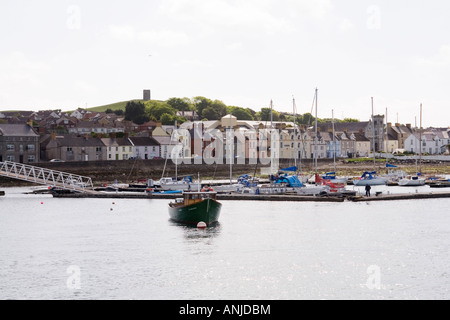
pixel 192 233
pixel 259 250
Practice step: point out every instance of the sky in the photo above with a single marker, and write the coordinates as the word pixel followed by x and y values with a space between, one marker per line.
pixel 69 54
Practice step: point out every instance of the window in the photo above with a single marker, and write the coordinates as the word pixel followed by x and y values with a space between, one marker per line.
pixel 69 149
pixel 98 149
pixel 10 158
pixel 31 158
pixel 30 147
pixel 10 147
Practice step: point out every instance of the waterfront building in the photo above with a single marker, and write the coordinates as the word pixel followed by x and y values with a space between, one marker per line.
pixel 118 148
pixel 74 148
pixel 145 148
pixel 18 143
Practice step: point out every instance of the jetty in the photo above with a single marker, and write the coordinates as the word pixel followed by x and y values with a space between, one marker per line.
pixel 403 196
pixel 266 197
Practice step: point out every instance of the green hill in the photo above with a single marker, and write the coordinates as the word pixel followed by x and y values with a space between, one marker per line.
pixel 113 106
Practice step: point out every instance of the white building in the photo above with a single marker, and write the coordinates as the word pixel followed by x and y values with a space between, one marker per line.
pixel 433 142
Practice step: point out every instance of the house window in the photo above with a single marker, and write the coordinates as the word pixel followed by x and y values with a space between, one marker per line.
pixel 110 156
pixel 10 158
pixel 10 147
pixel 30 147
pixel 69 149
pixel 98 149
pixel 31 158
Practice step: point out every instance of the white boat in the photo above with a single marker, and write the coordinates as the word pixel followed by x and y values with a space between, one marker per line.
pixel 411 181
pixel 172 184
pixel 369 179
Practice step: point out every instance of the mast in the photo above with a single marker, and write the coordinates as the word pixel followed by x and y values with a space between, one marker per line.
pixel 420 145
pixel 295 133
pixel 316 138
pixel 231 143
pixel 387 137
pixel 334 142
pixel 373 136
pixel 271 114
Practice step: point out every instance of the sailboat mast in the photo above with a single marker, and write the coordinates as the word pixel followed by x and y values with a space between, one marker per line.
pixel 231 144
pixel 373 136
pixel 295 133
pixel 420 144
pixel 334 142
pixel 316 138
pixel 271 114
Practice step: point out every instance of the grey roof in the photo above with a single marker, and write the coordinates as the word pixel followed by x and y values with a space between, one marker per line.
pixel 71 141
pixel 144 141
pixel 117 142
pixel 17 130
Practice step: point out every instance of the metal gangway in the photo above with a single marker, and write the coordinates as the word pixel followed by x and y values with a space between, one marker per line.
pixel 52 178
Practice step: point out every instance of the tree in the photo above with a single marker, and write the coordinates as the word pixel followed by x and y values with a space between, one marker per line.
pixel 135 111
pixel 156 109
pixel 240 113
pixel 220 108
pixel 210 114
pixel 167 119
pixel 200 104
pixel 267 114
pixel 184 104
pixel 306 119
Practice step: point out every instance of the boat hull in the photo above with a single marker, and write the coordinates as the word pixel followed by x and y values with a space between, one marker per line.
pixel 207 211
pixel 411 183
pixel 370 182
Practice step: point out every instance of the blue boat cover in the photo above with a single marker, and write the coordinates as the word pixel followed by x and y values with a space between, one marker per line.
pixel 390 166
pixel 290 169
pixel 291 181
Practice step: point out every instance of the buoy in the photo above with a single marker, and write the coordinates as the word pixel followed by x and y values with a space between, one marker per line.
pixel 201 225
pixel 113 203
pixel 42 203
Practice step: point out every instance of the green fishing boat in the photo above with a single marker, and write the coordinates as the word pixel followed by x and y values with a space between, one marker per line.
pixel 196 207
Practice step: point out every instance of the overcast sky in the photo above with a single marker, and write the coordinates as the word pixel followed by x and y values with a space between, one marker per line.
pixel 68 54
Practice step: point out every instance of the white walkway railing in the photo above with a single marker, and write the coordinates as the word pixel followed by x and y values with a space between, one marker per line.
pixel 48 177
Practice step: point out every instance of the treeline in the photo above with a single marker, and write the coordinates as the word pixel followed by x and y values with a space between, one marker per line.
pixel 167 112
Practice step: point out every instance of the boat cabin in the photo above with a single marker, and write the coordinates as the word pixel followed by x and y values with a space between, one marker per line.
pixel 191 198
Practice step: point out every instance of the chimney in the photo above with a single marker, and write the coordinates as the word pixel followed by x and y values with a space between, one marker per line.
pixel 408 125
pixel 389 125
pixel 397 124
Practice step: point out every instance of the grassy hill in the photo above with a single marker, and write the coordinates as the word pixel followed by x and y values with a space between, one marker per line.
pixel 113 106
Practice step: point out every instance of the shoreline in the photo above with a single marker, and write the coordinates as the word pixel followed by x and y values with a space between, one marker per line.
pixel 131 171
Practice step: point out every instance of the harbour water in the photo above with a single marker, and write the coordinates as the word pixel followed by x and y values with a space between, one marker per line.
pixel 128 249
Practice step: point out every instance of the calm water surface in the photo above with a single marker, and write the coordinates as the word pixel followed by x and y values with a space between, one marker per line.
pixel 94 249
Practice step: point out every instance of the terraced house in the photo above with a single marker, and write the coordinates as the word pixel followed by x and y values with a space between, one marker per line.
pixel 18 143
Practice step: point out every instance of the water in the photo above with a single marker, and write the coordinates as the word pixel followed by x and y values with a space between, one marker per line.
pixel 80 249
